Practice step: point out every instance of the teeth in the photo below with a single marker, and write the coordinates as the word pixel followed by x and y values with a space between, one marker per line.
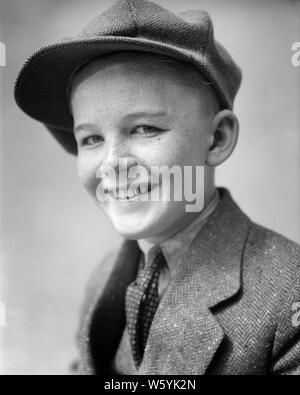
pixel 122 194
pixel 144 188
pixel 131 192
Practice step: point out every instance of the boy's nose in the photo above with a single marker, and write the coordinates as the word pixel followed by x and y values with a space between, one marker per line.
pixel 117 155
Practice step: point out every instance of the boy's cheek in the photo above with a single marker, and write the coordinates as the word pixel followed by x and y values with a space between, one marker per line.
pixel 187 147
pixel 90 184
pixel 87 173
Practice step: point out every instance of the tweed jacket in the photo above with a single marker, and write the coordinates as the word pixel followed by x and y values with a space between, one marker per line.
pixel 227 310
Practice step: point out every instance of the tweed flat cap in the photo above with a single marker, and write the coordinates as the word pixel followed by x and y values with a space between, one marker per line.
pixel 128 25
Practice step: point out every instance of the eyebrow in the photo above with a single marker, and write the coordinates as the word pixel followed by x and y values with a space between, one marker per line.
pixel 83 126
pixel 151 114
pixel 146 114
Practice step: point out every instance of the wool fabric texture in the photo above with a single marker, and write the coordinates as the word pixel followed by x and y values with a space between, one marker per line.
pixel 141 303
pixel 227 309
pixel 128 25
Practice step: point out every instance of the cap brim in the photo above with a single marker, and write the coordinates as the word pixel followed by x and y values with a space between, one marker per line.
pixel 40 89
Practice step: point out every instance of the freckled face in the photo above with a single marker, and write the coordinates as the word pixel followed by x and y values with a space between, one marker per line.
pixel 125 110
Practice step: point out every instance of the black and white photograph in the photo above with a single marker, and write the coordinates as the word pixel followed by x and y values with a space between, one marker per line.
pixel 150 190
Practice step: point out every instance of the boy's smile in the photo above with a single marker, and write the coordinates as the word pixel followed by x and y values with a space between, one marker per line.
pixel 147 114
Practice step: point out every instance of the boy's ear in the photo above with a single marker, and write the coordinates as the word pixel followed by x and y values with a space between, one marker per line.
pixel 225 130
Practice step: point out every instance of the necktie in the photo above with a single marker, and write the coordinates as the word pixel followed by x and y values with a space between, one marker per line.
pixel 141 303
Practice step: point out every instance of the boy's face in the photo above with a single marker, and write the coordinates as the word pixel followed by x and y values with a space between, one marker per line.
pixel 149 115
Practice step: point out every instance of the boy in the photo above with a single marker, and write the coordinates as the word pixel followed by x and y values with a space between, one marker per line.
pixel 201 291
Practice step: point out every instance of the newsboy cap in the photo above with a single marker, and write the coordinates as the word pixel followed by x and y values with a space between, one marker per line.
pixel 128 25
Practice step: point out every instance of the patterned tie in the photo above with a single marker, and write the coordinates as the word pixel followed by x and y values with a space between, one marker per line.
pixel 141 303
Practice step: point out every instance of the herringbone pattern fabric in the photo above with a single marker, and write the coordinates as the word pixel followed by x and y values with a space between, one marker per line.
pixel 141 303
pixel 228 310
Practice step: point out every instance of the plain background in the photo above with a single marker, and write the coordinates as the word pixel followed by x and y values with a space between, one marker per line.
pixel 52 234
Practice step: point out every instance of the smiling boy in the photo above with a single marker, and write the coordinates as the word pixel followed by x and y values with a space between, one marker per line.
pixel 188 292
pixel 139 107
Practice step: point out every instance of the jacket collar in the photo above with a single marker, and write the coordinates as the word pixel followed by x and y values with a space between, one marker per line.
pixel 177 245
pixel 210 273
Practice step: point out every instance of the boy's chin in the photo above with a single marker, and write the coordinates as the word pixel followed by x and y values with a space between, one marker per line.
pixel 137 232
pixel 132 234
pixel 151 224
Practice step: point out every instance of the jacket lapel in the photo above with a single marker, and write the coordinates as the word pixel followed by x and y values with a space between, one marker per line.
pixel 104 320
pixel 185 335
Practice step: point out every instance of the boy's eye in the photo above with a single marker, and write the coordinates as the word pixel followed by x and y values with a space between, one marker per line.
pixel 92 140
pixel 146 129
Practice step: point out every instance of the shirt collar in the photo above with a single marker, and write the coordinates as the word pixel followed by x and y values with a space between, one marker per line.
pixel 177 245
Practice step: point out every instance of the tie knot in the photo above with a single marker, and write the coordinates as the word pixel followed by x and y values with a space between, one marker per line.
pixel 149 267
pixel 155 259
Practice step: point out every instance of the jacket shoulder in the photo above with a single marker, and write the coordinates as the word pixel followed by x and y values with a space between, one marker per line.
pixel 272 268
pixel 99 277
pixel 273 248
pixel 94 287
pixel 273 263
pixel 272 259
